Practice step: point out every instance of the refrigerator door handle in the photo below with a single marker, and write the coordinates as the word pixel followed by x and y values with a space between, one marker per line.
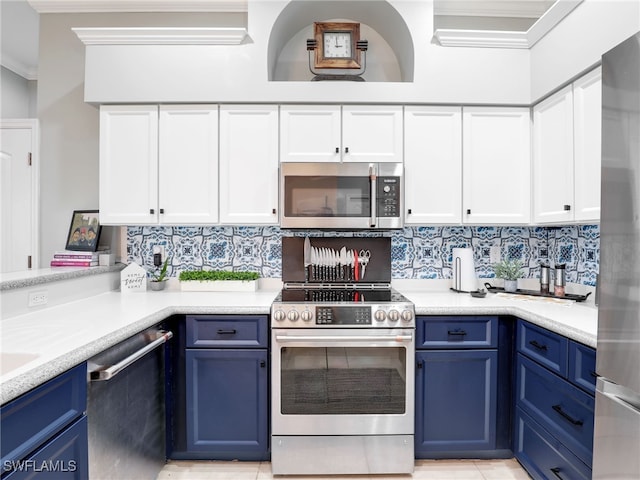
pixel 620 395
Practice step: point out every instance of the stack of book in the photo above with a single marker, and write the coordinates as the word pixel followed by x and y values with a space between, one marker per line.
pixel 71 258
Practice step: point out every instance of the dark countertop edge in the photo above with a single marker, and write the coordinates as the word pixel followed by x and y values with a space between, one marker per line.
pixel 54 276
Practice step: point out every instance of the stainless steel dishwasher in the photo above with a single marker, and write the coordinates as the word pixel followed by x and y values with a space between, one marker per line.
pixel 126 408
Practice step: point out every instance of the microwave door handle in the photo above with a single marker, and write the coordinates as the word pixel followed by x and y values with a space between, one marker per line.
pixel 374 201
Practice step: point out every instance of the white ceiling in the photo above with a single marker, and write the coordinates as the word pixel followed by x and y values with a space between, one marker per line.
pixel 20 21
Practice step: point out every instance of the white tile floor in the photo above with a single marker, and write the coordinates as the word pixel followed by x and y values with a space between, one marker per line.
pixel 425 469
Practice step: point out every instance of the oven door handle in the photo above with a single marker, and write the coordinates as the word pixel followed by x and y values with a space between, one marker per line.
pixel 344 338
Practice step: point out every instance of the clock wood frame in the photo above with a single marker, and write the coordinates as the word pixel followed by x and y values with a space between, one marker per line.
pixel 352 62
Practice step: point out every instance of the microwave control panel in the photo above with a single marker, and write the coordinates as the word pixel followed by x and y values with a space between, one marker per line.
pixel 388 197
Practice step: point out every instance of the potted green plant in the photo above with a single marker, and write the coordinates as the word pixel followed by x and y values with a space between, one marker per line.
pixel 510 271
pixel 218 281
pixel 159 277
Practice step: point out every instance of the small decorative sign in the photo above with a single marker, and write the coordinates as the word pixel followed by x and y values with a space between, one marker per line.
pixel 133 279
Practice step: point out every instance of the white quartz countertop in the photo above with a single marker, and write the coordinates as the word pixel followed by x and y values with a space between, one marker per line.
pixel 37 346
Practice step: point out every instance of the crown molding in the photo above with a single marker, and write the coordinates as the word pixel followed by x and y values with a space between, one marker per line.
pixel 505 39
pixel 19 68
pixel 104 6
pixel 161 36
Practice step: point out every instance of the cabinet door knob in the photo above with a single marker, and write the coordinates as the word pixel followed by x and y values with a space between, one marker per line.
pixel 273 210
pixel 263 363
pixel 409 211
pixel 162 210
pixel 152 211
pixel 337 149
pixel 468 211
pixel 346 150
pixel 567 208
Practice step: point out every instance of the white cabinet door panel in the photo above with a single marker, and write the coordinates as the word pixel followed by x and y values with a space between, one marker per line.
pixel 248 164
pixel 188 175
pixel 587 124
pixel 496 165
pixel 310 133
pixel 128 165
pixel 372 133
pixel 433 164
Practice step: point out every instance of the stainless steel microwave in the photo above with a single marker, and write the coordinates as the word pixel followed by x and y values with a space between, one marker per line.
pixel 341 195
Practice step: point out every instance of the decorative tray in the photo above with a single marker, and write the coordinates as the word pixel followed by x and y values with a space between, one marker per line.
pixel 537 293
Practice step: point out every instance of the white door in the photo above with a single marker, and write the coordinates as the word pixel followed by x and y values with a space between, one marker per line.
pixel 496 165
pixel 249 164
pixel 128 164
pixel 188 165
pixel 587 125
pixel 433 164
pixel 372 133
pixel 310 133
pixel 18 196
pixel 553 158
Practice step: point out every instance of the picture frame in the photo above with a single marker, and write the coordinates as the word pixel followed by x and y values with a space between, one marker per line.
pixel 84 231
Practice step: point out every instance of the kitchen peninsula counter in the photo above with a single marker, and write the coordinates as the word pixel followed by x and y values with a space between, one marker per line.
pixel 49 341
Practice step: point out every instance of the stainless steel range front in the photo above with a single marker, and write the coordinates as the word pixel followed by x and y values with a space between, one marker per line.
pixel 342 379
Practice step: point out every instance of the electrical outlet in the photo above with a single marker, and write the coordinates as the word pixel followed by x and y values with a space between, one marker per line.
pixel 494 254
pixel 158 255
pixel 38 298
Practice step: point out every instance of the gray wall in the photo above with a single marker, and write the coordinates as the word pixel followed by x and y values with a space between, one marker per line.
pixel 17 96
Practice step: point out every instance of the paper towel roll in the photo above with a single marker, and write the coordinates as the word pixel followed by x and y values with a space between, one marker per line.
pixel 464 270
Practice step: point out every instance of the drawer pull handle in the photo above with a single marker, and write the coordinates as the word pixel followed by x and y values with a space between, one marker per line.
pixel 538 346
pixel 456 332
pixel 568 417
pixel 556 471
pixel 227 332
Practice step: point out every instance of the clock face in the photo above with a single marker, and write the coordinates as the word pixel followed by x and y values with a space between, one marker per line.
pixel 337 45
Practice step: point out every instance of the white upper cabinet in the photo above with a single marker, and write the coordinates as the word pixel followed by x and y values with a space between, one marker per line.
pixel 188 165
pixel 567 153
pixel 330 133
pixel 587 127
pixel 248 164
pixel 310 133
pixel 553 158
pixel 496 165
pixel 433 164
pixel 128 165
pixel 158 164
pixel 372 134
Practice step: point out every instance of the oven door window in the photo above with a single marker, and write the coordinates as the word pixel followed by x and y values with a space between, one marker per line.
pixel 327 196
pixel 343 380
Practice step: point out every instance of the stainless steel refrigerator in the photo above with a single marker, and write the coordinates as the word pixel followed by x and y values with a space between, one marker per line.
pixel 617 418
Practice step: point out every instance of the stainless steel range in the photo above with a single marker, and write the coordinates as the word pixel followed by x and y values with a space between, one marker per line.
pixel 342 376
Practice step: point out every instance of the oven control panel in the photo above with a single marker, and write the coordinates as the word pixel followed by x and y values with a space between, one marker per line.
pixel 387 315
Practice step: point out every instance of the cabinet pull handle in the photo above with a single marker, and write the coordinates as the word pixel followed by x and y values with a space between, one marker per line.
pixel 538 346
pixel 567 208
pixel 162 210
pixel 419 365
pixel 409 211
pixel 346 150
pixel 456 332
pixel 152 211
pixel 233 331
pixel 263 363
pixel 566 416
pixel 556 471
pixel 273 210
pixel 337 149
pixel 468 211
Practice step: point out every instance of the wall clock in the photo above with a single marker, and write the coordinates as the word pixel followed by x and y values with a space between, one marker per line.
pixel 337 45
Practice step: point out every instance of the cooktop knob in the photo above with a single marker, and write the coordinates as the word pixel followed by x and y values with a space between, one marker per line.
pixel 293 315
pixel 306 316
pixel 394 315
pixel 407 315
pixel 380 315
pixel 279 315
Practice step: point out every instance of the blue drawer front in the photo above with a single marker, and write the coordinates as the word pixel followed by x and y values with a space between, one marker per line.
pixel 566 411
pixel 35 417
pixel 232 331
pixel 63 458
pixel 542 455
pixel 582 366
pixel 543 346
pixel 457 332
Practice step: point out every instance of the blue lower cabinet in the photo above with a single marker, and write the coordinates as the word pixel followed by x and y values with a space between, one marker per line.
pixel 227 404
pixel 542 455
pixel 456 402
pixel 62 458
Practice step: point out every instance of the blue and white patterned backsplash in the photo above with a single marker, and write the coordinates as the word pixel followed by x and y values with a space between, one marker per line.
pixel 416 252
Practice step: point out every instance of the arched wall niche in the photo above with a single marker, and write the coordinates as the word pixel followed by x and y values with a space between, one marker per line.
pixel 391 54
